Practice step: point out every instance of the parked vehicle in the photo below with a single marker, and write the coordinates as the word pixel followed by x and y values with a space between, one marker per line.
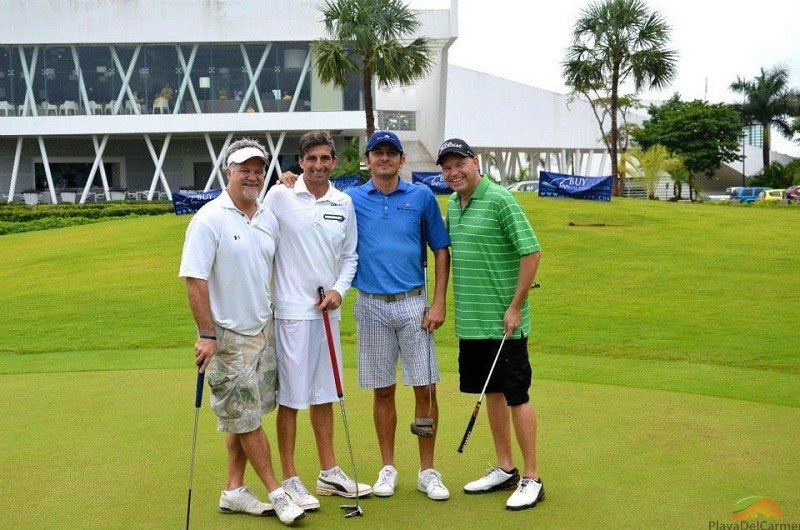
pixel 524 185
pixel 793 193
pixel 771 195
pixel 747 194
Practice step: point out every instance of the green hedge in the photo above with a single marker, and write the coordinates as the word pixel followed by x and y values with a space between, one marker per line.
pixel 17 218
pixel 23 213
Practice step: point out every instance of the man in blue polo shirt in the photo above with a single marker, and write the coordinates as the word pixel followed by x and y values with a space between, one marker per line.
pixel 390 309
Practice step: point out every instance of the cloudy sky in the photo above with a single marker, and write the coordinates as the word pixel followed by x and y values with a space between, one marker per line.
pixel 525 41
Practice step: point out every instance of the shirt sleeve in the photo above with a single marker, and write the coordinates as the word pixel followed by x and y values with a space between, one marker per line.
pixel 516 227
pixel 199 251
pixel 349 258
pixel 435 230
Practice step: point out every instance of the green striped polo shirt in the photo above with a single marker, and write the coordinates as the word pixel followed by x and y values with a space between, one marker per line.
pixel 488 238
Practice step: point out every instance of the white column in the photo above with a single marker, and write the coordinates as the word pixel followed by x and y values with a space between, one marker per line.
pixel 216 160
pixel 15 170
pixel 125 77
pixel 29 74
pixel 187 80
pixel 81 85
pixel 46 164
pixel 98 159
pixel 275 150
pixel 159 161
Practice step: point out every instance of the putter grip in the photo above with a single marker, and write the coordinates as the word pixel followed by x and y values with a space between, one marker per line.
pixel 198 393
pixel 470 425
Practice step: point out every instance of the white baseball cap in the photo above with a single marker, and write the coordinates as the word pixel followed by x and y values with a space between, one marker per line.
pixel 246 153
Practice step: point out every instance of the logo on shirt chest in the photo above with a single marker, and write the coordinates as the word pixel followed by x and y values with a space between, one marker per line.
pixel 236 237
pixel 407 207
pixel 333 217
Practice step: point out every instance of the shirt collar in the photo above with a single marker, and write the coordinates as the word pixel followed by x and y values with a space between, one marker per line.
pixel 226 202
pixel 300 187
pixel 402 186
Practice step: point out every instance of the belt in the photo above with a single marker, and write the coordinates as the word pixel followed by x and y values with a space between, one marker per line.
pixel 395 297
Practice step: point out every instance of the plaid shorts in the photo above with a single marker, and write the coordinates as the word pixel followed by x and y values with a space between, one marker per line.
pixel 243 377
pixel 388 330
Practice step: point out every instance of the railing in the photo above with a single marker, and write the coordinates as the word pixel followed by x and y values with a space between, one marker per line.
pixel 397 120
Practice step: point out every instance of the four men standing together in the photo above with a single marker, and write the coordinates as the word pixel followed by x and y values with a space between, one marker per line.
pixel 308 235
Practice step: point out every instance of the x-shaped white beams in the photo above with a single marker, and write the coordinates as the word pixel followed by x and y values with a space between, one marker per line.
pixel 159 161
pixel 46 164
pixel 187 80
pixel 253 77
pixel 98 162
pixel 216 161
pixel 126 77
pixel 29 74
pixel 15 170
pixel 81 84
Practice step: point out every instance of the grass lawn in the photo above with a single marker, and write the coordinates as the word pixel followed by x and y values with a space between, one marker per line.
pixel 665 355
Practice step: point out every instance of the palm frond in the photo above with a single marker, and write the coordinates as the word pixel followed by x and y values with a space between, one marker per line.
pixel 333 63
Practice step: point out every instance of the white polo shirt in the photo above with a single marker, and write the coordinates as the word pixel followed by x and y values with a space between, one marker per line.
pixel 317 248
pixel 235 255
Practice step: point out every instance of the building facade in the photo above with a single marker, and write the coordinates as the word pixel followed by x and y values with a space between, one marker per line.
pixel 139 98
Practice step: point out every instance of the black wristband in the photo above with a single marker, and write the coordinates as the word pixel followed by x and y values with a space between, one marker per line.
pixel 208 336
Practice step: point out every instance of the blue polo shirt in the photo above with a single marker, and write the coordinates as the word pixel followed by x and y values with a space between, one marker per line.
pixel 389 246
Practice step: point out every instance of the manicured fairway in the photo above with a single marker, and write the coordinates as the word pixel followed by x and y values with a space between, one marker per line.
pixel 666 361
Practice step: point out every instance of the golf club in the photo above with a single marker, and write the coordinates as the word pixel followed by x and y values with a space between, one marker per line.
pixel 349 509
pixel 425 426
pixel 198 400
pixel 477 408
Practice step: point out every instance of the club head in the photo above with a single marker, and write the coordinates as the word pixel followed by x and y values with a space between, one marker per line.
pixel 352 511
pixel 423 427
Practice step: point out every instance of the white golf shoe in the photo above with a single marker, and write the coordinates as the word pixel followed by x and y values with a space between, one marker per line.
pixel 494 479
pixel 286 510
pixel 387 482
pixel 529 493
pixel 242 500
pixel 297 491
pixel 430 482
pixel 336 482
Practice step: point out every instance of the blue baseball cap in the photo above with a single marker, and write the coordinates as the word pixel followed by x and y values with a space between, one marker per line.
pixel 384 137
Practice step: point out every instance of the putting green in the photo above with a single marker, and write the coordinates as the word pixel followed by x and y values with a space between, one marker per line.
pixel 111 449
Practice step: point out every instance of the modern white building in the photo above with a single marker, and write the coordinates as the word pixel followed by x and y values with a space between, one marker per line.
pixel 139 98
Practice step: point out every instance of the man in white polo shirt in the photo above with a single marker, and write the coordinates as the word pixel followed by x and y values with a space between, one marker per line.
pixel 317 248
pixel 227 262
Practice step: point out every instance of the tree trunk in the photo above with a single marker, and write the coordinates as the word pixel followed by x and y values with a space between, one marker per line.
pixel 765 146
pixel 616 184
pixel 366 87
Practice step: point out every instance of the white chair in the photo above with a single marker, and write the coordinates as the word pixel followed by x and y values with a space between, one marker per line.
pixel 95 107
pixel 162 105
pixel 21 110
pixel 7 108
pixel 48 107
pixel 108 108
pixel 67 107
pixel 133 108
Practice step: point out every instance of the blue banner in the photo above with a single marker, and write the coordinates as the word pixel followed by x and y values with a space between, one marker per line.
pixel 577 187
pixel 190 202
pixel 344 182
pixel 433 180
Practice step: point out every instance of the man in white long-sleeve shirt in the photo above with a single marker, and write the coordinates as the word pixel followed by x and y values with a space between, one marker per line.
pixel 316 248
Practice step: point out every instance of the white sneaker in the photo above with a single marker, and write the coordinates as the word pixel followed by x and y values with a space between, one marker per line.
pixel 297 491
pixel 430 482
pixel 242 500
pixel 336 482
pixel 387 481
pixel 494 479
pixel 530 492
pixel 286 510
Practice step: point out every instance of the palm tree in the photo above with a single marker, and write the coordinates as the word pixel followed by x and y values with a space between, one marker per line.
pixel 651 166
pixel 371 36
pixel 613 42
pixel 769 102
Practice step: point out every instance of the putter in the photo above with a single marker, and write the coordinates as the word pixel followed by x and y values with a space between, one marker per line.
pixel 198 400
pixel 349 509
pixel 477 408
pixel 425 426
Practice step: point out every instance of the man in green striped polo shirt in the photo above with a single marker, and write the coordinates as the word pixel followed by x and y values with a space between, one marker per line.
pixel 495 254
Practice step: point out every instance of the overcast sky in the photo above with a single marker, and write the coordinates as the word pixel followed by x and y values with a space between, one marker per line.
pixel 525 41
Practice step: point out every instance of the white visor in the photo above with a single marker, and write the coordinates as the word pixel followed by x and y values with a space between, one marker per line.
pixel 245 153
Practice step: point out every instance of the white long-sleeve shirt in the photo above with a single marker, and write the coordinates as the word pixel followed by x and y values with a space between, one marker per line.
pixel 316 247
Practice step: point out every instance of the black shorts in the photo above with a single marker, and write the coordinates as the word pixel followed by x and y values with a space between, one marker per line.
pixel 511 376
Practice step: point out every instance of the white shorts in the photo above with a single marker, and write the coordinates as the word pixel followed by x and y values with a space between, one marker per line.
pixel 305 376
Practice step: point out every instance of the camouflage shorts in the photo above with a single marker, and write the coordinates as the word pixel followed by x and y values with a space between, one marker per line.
pixel 243 377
